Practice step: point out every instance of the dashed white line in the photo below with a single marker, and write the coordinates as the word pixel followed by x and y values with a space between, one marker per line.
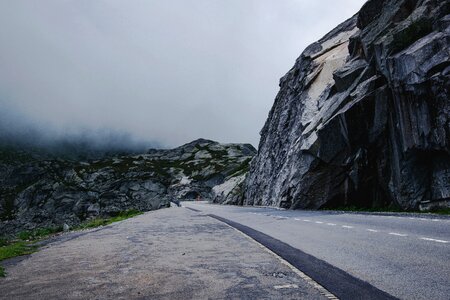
pixel 346 226
pixel 286 286
pixel 297 219
pixel 397 234
pixel 434 240
pixel 318 222
pixel 331 224
pixel 304 220
pixel 372 230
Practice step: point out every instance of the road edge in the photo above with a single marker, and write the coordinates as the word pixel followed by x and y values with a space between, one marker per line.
pixel 351 288
pixel 323 291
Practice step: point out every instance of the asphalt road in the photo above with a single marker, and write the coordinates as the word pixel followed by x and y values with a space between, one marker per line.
pixel 407 256
pixel 165 254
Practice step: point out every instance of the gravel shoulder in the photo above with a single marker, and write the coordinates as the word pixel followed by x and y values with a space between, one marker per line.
pixel 172 253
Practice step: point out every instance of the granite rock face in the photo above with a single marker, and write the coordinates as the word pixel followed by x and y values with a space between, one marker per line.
pixel 39 191
pixel 363 117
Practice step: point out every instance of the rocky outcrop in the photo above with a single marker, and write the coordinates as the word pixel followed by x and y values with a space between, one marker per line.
pixel 363 117
pixel 38 191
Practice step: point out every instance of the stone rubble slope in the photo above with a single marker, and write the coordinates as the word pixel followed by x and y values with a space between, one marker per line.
pixel 363 117
pixel 43 192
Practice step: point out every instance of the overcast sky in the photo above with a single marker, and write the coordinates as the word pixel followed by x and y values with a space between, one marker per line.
pixel 167 71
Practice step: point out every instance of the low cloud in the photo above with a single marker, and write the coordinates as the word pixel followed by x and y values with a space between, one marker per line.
pixel 163 72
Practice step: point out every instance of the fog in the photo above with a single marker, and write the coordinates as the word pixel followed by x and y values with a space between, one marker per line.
pixel 150 72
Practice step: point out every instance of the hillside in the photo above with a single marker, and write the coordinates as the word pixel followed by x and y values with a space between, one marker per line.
pixel 40 191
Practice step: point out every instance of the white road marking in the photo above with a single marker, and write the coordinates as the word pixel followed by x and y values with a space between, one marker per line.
pixel 286 286
pixel 435 220
pixel 331 224
pixel 346 226
pixel 397 234
pixel 297 219
pixel 372 230
pixel 434 240
pixel 318 222
pixel 306 220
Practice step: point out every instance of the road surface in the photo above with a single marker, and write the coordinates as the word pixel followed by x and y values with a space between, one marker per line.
pixel 407 256
pixel 166 254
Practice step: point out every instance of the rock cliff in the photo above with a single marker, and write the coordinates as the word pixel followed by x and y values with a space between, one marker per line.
pixel 39 191
pixel 363 116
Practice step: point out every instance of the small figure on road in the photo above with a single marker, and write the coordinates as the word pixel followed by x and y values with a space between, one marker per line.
pixel 176 201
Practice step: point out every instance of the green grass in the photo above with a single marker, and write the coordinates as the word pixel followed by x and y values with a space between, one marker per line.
pixel 38 233
pixel 106 221
pixel 440 211
pixel 15 249
pixel 23 244
pixel 365 209
pixel 3 242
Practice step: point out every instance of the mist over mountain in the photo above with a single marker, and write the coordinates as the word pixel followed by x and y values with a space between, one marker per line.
pixel 19 134
pixel 165 71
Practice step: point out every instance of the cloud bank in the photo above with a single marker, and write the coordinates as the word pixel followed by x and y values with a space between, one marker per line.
pixel 159 71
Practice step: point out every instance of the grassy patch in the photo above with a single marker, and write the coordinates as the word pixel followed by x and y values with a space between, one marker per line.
pixel 38 233
pixel 23 244
pixel 3 242
pixel 106 221
pixel 440 211
pixel 15 249
pixel 364 209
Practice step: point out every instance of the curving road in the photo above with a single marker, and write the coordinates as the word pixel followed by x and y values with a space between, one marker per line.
pixel 407 256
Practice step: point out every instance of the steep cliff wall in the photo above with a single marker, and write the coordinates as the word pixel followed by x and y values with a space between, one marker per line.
pixel 363 116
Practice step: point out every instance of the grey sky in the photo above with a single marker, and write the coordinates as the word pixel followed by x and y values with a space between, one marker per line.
pixel 168 71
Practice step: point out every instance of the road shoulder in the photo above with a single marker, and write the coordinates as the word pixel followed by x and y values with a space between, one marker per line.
pixel 167 254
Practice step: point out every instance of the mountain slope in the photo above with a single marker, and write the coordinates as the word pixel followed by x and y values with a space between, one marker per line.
pixel 39 191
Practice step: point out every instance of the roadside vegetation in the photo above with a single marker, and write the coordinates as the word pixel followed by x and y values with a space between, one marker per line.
pixel 24 242
pixel 439 211
pixel 106 221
